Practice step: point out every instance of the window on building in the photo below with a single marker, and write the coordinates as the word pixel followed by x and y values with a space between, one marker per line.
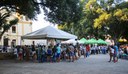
pixel 13 29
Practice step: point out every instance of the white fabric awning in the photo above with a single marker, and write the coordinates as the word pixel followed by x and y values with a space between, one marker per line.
pixel 49 32
pixel 69 41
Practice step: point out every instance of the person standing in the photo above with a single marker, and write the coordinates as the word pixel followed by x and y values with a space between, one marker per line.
pixel 39 53
pixel 111 53
pixel 15 53
pixel 116 53
pixel 49 54
pixel 72 54
pixel 58 52
pixel 43 54
pixel 54 50
pixel 80 50
pixel 84 51
pixel 20 54
pixel 34 52
pixel 87 50
pixel 27 53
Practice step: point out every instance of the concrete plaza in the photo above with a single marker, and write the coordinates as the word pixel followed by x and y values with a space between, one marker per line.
pixel 94 64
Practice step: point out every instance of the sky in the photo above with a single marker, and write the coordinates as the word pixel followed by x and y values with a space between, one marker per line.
pixel 40 22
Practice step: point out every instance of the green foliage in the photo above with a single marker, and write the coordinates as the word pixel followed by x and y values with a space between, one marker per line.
pixel 103 19
pixel 121 14
pixel 56 11
pixel 80 17
pixel 6 19
pixel 110 13
pixel 99 14
pixel 6 26
pixel 29 8
pixel 115 17
pixel 62 11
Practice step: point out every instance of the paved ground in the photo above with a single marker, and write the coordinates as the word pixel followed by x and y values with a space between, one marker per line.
pixel 95 64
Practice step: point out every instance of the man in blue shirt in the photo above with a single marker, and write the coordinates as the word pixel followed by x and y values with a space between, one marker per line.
pixel 116 53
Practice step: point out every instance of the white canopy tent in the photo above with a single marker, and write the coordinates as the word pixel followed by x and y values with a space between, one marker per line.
pixel 49 32
pixel 69 41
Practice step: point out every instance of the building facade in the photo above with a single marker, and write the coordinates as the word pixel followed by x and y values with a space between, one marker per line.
pixel 13 35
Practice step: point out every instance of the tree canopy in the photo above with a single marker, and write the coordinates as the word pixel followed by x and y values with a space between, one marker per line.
pixel 28 8
pixel 56 11
pixel 102 17
pixel 62 11
pixel 115 16
pixel 81 17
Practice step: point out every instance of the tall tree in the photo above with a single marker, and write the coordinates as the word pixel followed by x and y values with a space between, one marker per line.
pixel 56 11
pixel 103 17
pixel 10 7
pixel 62 11
pixel 75 27
pixel 29 8
pixel 6 20
pixel 116 18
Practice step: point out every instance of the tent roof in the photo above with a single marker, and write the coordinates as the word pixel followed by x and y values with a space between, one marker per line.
pixel 49 32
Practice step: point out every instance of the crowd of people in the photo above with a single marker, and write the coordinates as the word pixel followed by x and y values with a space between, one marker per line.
pixel 58 52
pixel 66 52
pixel 116 52
pixel 41 53
pixel 113 52
pixel 123 51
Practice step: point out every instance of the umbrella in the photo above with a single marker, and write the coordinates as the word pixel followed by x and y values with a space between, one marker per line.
pixel 92 41
pixel 83 40
pixel 100 41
